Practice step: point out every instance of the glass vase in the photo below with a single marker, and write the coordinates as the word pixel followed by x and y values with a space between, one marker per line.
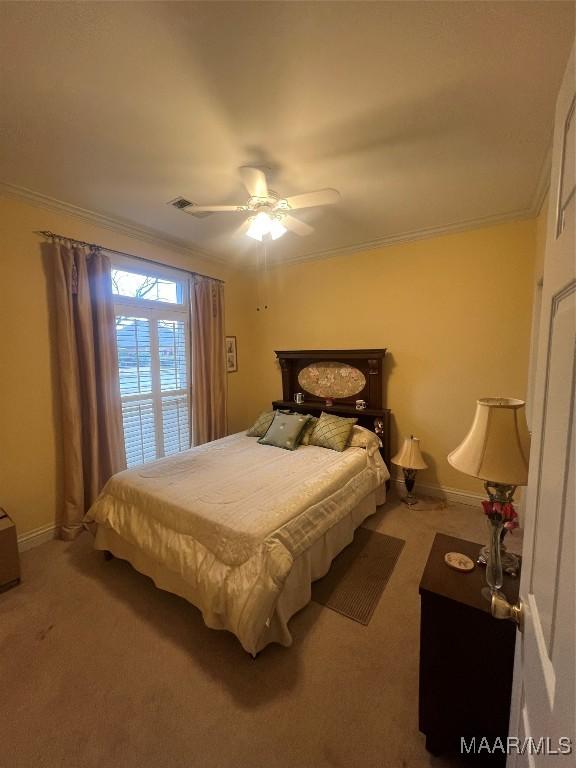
pixel 494 576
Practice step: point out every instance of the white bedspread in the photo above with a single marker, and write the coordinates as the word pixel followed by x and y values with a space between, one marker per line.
pixel 231 516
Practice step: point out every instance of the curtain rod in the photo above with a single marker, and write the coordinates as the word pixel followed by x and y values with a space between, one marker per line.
pixel 47 233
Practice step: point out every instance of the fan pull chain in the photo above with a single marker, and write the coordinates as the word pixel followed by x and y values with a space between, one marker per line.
pixel 262 271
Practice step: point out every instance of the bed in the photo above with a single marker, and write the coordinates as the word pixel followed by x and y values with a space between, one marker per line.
pixel 241 529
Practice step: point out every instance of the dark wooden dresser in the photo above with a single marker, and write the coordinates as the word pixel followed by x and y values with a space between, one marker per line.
pixel 466 656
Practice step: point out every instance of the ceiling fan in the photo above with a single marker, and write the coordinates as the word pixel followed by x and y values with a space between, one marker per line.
pixel 269 214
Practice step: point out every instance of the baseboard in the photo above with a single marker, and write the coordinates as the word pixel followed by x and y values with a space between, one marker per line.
pixel 442 492
pixel 37 536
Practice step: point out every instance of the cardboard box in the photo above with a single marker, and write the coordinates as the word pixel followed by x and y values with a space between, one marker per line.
pixel 9 559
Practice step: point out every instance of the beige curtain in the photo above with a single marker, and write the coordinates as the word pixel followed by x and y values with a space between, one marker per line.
pixel 208 360
pixel 93 441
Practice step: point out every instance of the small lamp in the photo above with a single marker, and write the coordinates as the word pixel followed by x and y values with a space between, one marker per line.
pixel 410 459
pixel 496 450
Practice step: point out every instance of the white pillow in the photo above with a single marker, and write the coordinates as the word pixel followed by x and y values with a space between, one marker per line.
pixel 363 438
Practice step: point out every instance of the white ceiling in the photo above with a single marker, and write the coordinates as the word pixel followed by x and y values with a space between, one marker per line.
pixel 422 114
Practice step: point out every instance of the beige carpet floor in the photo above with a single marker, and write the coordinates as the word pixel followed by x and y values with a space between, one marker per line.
pixel 99 668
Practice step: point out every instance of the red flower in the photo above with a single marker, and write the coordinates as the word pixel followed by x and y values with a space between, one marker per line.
pixel 487 505
pixel 505 513
pixel 508 512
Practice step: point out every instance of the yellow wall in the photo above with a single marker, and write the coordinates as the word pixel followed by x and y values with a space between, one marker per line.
pixel 454 312
pixel 30 460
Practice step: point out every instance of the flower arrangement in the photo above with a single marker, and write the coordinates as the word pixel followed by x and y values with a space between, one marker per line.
pixel 501 513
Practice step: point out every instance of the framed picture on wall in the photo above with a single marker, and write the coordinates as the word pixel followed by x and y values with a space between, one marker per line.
pixel 231 354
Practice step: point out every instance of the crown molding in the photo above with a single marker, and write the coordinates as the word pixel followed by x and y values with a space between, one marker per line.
pixel 114 224
pixel 157 238
pixel 407 237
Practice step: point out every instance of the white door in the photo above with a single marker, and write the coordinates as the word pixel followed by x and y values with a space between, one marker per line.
pixel 544 693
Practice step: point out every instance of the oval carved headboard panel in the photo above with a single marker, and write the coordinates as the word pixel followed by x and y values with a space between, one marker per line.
pixel 331 379
pixel 341 375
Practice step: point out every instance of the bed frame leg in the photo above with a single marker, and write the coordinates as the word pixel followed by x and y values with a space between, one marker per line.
pixel 108 555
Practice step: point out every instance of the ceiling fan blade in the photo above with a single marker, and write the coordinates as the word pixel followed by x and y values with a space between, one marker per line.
pixel 214 209
pixel 255 181
pixel 296 226
pixel 311 199
pixel 242 229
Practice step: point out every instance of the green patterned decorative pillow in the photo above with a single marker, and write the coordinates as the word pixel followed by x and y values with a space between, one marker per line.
pixel 308 429
pixel 260 426
pixel 285 430
pixel 332 432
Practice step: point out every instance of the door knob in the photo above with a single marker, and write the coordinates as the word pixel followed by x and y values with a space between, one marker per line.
pixel 502 609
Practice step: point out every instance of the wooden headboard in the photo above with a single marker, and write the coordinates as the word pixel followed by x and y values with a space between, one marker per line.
pixel 369 362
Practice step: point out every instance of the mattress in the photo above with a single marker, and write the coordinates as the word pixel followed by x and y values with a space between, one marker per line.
pixel 230 518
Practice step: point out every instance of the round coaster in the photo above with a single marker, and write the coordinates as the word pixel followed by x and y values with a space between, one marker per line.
pixel 458 561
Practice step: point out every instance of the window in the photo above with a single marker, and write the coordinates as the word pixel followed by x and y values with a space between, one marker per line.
pixel 151 287
pixel 152 336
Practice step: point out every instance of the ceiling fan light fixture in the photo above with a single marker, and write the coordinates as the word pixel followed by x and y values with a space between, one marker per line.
pixel 254 231
pixel 258 227
pixel 263 224
pixel 277 229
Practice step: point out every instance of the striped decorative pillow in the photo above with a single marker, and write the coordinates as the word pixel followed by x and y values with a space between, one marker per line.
pixel 308 429
pixel 260 426
pixel 332 432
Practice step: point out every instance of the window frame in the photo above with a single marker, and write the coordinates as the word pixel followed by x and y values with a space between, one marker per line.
pixel 146 268
pixel 154 311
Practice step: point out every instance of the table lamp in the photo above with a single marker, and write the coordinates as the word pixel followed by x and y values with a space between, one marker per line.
pixel 496 450
pixel 410 459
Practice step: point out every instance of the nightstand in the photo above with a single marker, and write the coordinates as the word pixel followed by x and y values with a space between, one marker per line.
pixel 466 656
pixel 9 559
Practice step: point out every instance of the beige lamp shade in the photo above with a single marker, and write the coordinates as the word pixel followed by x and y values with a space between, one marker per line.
pixel 409 456
pixel 497 447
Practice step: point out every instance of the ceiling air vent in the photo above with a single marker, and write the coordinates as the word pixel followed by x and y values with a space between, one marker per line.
pixel 181 202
